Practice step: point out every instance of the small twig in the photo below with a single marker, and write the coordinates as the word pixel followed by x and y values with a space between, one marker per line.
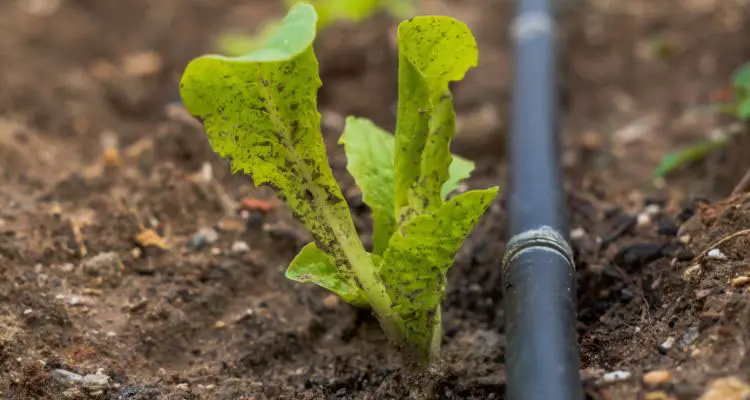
pixel 720 242
pixel 743 185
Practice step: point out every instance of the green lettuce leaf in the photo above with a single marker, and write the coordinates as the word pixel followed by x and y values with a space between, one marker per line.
pixel 260 111
pixel 741 78
pixel 330 11
pixel 680 159
pixel 743 109
pixel 415 264
pixel 433 51
pixel 313 265
pixel 237 44
pixel 436 157
pixel 460 170
pixel 370 153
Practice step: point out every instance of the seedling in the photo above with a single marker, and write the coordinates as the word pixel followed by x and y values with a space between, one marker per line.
pixel 738 105
pixel 260 110
pixel 682 158
pixel 735 103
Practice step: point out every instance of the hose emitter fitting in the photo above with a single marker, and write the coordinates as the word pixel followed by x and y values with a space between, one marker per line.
pixel 543 238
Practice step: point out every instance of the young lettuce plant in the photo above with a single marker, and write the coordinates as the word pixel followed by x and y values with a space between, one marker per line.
pixel 260 111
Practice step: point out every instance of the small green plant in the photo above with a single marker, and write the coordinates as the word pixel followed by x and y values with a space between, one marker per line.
pixel 736 104
pixel 689 155
pixel 260 110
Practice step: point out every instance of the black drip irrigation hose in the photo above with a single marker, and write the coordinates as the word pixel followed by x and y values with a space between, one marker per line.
pixel 541 357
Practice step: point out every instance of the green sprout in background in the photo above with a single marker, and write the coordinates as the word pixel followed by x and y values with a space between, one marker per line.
pixel 329 11
pixel 689 155
pixel 738 106
pixel 260 111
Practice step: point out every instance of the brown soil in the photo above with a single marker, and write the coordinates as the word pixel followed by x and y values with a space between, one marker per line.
pixel 82 290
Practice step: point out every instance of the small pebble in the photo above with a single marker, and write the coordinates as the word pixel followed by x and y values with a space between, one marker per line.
pixel 658 377
pixel 692 274
pixel 253 204
pixel 150 238
pixel 97 381
pixel 206 174
pixel 27 311
pixel 741 281
pixel 592 373
pixel 142 64
pixel 577 233
pixel 729 388
pixel 39 8
pixel 136 252
pixel 103 264
pixel 331 301
pixel 75 300
pixel 220 325
pixel 247 314
pixel 616 376
pixel 691 334
pixel 183 386
pixel 666 345
pixel 72 393
pixel 203 237
pixel 652 210
pixel 240 247
pixel 716 254
pixel 231 224
pixel 67 267
pixel 66 377
pixel 111 157
pixel 215 251
pixel 657 395
pixel 643 220
pixel 489 338
pixel 685 239
pixel 591 140
pixel 55 210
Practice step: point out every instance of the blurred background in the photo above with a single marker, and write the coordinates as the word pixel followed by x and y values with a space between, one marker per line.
pixel 95 150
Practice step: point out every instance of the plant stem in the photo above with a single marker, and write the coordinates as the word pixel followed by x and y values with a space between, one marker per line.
pixel 437 335
pixel 375 292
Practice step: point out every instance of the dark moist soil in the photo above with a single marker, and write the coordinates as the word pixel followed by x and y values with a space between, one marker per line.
pixel 102 274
